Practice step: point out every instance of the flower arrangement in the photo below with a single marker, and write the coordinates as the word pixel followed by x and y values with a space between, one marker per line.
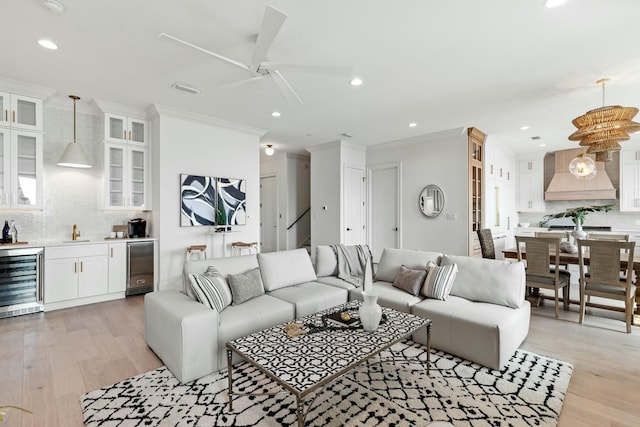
pixel 579 214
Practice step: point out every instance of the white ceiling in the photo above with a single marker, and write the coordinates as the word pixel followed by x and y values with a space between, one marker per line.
pixel 493 64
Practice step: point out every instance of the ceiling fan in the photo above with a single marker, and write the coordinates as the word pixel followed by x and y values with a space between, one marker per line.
pixel 271 24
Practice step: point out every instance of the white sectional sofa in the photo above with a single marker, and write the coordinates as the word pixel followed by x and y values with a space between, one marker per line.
pixel 484 319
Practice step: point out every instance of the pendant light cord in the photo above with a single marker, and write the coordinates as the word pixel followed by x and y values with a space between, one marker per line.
pixel 75 98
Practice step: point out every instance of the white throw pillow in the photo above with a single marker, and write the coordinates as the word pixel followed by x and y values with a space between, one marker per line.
pixel 439 281
pixel 211 289
pixel 488 280
pixel 326 261
pixel 285 268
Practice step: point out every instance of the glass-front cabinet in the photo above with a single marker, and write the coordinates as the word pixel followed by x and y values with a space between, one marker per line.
pixel 124 129
pixel 21 169
pixel 127 177
pixel 21 112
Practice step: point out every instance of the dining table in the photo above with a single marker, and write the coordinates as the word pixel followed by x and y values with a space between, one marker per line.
pixel 574 259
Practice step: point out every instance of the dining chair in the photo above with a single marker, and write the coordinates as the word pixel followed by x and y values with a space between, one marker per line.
pixel 542 266
pixel 564 236
pixel 486 243
pixel 605 261
pixel 612 237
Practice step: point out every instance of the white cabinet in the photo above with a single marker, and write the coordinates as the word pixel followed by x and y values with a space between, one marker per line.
pixel 124 129
pixel 21 166
pixel 73 272
pixel 630 181
pixel 117 267
pixel 530 185
pixel 20 112
pixel 498 165
pixel 127 177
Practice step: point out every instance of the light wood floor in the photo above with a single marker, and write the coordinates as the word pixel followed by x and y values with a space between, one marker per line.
pixel 48 360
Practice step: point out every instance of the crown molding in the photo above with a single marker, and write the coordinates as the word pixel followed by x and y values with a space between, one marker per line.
pixel 158 110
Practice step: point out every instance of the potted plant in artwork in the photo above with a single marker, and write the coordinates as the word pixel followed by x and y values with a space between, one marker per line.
pixel 578 216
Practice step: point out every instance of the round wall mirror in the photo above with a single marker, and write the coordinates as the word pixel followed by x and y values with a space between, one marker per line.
pixel 431 201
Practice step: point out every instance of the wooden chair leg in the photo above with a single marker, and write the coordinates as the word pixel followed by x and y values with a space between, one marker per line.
pixel 628 311
pixel 582 303
pixel 566 296
pixel 556 301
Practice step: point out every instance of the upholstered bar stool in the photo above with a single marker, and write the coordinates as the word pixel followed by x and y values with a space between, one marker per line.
pixel 238 247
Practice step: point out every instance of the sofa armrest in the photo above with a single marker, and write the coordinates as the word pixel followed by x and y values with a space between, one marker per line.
pixel 183 333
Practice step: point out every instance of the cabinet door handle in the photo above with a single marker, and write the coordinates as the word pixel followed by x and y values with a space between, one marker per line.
pixel 13 115
pixel 129 135
pixel 80 266
pixel 6 115
pixel 75 267
pixel 111 252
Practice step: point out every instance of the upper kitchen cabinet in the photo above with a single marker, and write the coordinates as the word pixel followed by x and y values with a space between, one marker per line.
pixel 630 181
pixel 124 129
pixel 21 112
pixel 531 185
pixel 127 177
pixel 21 165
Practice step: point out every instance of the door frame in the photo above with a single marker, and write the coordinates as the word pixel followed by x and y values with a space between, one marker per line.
pixel 370 170
pixel 275 177
pixel 362 168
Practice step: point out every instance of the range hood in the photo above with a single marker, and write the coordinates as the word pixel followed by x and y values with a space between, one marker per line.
pixel 564 186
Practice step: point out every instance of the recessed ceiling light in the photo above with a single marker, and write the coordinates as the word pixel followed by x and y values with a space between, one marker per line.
pixel 553 3
pixel 524 128
pixel 412 125
pixel 276 114
pixel 53 5
pixel 356 81
pixel 48 44
pixel 543 145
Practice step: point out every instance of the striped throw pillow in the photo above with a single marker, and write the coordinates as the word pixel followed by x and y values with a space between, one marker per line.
pixel 211 289
pixel 439 281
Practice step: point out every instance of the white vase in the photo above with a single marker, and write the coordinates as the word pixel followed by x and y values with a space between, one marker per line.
pixel 578 232
pixel 370 312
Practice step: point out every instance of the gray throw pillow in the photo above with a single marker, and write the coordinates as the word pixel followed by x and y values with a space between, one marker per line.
pixel 439 281
pixel 245 286
pixel 409 280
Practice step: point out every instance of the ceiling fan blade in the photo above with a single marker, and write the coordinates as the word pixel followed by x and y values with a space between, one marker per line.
pixel 272 21
pixel 285 87
pixel 208 52
pixel 238 83
pixel 309 69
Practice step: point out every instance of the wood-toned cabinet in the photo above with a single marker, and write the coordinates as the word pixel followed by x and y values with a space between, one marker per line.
pixel 20 112
pixel 476 140
pixel 531 186
pixel 73 272
pixel 127 177
pixel 21 165
pixel 124 129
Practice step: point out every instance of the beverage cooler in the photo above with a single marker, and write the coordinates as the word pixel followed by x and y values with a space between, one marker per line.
pixel 21 275
pixel 139 267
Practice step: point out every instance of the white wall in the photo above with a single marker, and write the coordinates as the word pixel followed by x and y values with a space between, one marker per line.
pixel 441 159
pixel 185 143
pixel 326 193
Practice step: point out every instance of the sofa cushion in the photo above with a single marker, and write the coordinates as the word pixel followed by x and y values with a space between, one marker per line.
pixel 410 280
pixel 326 261
pixel 211 289
pixel 285 268
pixel 488 280
pixel 334 281
pixel 439 281
pixel 245 286
pixel 311 297
pixel 391 260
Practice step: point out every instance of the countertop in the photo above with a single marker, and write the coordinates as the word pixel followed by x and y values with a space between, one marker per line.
pixel 79 242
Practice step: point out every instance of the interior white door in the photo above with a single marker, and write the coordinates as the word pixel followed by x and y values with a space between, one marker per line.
pixel 268 214
pixel 384 213
pixel 354 206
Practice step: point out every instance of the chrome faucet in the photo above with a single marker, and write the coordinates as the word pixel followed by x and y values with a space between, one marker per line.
pixel 75 233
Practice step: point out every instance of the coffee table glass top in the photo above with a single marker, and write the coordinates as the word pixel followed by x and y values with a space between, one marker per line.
pixel 306 360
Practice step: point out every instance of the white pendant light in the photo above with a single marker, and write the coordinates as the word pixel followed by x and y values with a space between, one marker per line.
pixel 73 156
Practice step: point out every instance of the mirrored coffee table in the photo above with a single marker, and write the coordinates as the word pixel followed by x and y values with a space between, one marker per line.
pixel 304 364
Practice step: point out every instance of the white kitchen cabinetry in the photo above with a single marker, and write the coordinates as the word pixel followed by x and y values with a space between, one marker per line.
pixel 630 181
pixel 21 165
pixel 124 129
pixel 531 183
pixel 20 112
pixel 73 272
pixel 117 267
pixel 127 177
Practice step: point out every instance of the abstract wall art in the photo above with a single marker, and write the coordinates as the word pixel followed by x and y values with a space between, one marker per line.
pixel 212 201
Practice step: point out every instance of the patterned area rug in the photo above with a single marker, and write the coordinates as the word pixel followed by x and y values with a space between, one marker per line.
pixel 529 391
